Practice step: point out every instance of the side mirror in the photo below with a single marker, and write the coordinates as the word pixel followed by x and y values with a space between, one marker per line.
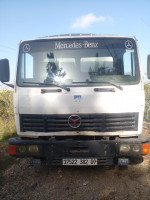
pixel 148 66
pixel 4 70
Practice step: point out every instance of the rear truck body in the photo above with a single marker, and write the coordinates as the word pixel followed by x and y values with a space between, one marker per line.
pixel 79 100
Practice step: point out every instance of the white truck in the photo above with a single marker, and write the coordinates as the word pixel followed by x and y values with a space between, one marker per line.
pixel 78 100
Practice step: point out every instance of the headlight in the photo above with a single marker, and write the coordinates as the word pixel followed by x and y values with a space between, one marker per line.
pixel 22 149
pixel 33 149
pixel 136 148
pixel 124 148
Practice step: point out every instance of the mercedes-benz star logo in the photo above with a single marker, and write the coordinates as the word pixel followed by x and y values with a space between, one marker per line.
pixel 26 48
pixel 128 44
pixel 74 121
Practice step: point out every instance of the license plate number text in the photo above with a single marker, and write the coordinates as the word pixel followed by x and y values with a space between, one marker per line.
pixel 73 161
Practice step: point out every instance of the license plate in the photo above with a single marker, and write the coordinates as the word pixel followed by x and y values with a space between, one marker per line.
pixel 79 161
pixel 35 162
pixel 123 161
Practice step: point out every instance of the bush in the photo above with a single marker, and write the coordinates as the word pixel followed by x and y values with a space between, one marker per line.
pixel 147 103
pixel 7 119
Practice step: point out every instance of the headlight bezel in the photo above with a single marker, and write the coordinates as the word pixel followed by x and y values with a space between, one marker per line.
pixel 25 150
pixel 130 149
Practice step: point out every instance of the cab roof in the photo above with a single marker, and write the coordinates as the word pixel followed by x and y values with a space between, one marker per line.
pixel 67 36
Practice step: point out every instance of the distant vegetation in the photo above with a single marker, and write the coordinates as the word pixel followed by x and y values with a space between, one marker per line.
pixel 7 120
pixel 147 102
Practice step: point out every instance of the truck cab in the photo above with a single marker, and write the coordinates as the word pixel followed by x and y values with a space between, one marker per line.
pixel 79 100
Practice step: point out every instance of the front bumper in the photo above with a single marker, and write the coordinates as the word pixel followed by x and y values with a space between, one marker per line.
pixel 53 151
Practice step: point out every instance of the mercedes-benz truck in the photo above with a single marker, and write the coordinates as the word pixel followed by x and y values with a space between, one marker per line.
pixel 78 100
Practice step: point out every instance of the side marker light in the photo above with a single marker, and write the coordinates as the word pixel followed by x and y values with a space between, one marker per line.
pixel 146 147
pixel 12 149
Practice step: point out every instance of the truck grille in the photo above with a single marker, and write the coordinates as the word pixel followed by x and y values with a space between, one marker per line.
pixel 89 122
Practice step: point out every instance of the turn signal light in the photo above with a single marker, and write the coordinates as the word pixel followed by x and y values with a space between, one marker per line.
pixel 12 149
pixel 145 148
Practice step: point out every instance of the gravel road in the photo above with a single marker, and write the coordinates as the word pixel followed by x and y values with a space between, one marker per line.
pixel 23 182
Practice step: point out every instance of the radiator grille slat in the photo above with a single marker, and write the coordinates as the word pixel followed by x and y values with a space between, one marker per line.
pixel 89 122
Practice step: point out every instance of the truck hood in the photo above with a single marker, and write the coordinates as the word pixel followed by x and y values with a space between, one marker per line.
pixel 79 100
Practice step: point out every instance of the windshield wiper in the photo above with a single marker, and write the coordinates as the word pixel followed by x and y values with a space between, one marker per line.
pixel 49 84
pixel 108 82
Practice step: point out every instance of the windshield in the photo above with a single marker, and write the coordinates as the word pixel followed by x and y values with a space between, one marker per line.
pixel 78 62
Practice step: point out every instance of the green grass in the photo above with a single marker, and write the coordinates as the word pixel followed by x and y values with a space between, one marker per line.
pixel 6 136
pixel 6 161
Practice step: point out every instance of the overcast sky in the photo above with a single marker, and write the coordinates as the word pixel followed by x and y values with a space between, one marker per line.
pixel 21 20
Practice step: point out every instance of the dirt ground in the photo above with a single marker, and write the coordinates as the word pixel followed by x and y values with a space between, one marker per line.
pixel 23 182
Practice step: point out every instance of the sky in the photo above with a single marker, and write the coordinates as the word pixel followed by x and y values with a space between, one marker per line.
pixel 29 19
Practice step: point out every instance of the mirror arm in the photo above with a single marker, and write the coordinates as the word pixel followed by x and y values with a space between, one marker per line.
pixel 9 85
